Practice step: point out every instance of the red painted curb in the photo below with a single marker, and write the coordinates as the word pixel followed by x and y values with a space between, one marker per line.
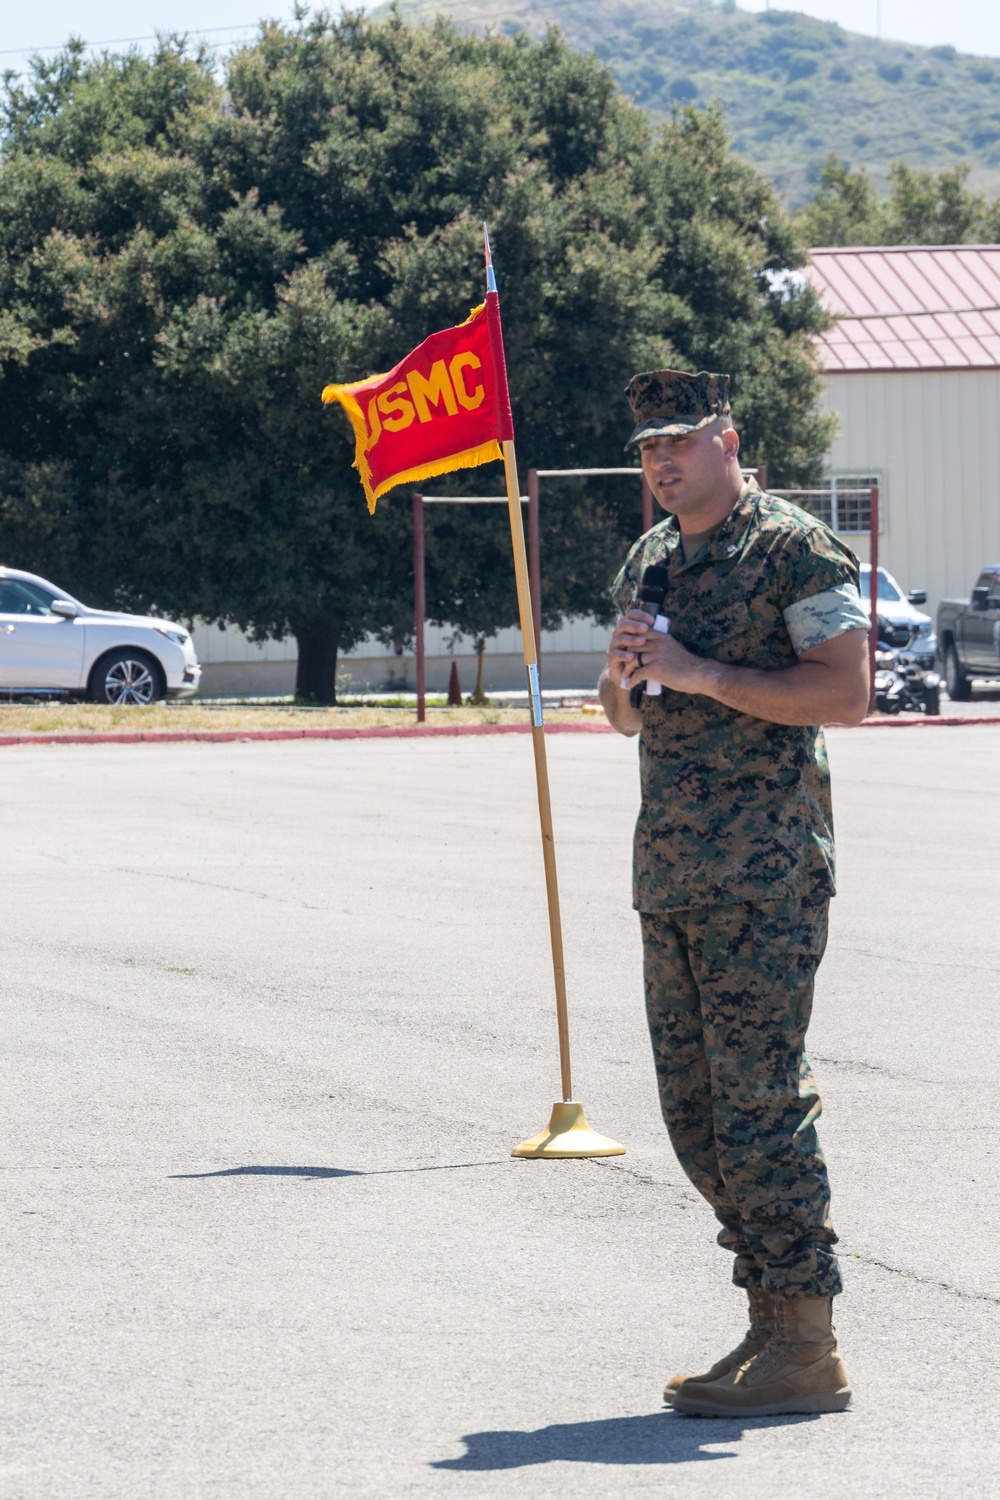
pixel 228 736
pixel 923 722
pixel 408 732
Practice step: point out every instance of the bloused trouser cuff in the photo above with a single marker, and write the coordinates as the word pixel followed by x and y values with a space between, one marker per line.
pixel 728 997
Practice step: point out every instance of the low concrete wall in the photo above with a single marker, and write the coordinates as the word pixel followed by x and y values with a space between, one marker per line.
pixel 234 666
pixel 247 679
pixel 502 672
pixel 571 657
pixel 379 674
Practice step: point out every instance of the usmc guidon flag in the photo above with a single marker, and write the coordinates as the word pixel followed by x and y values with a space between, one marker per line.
pixel 445 406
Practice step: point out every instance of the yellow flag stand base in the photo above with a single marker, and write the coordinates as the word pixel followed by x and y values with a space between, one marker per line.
pixel 568 1135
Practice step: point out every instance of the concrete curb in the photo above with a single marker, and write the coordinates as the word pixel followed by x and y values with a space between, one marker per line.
pixel 406 732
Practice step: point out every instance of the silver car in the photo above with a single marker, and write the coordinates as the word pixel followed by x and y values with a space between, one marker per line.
pixel 51 643
pixel 907 628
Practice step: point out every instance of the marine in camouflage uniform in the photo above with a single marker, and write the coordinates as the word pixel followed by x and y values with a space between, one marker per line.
pixel 734 864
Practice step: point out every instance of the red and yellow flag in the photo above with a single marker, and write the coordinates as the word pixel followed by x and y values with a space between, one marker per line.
pixel 445 406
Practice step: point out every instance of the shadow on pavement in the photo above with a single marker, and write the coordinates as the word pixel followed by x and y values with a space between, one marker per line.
pixel 274 1172
pixel 660 1438
pixel 455 1166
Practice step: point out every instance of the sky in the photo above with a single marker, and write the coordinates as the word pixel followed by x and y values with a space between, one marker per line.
pixel 969 25
pixel 47 23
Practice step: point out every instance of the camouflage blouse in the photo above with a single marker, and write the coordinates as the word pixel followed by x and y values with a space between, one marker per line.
pixel 735 808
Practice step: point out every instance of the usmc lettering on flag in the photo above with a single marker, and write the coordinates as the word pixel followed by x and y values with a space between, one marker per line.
pixel 436 411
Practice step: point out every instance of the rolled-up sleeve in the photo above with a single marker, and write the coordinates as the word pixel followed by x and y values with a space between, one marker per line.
pixel 823 616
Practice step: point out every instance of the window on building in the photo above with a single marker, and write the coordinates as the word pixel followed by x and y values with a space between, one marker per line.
pixel 842 501
pixel 852 501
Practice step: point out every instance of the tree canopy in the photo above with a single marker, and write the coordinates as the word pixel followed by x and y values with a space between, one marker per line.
pixel 187 258
pixel 921 208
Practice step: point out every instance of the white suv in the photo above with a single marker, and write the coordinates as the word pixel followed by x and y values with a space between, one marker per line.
pixel 908 628
pixel 51 643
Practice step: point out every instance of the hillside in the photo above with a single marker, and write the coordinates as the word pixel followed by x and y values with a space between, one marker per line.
pixel 793 88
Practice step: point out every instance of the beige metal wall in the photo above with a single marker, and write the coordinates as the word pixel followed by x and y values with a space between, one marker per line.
pixel 935 437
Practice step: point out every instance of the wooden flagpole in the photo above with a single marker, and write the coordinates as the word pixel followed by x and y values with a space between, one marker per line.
pixel 568 1134
pixel 541 763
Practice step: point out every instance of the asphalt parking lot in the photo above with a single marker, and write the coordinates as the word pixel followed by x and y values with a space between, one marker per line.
pixel 984 701
pixel 274 1016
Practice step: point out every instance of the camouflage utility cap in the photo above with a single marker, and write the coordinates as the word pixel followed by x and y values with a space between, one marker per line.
pixel 667 403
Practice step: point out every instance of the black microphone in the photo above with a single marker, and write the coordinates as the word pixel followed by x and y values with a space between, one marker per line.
pixel 652 594
pixel 653 589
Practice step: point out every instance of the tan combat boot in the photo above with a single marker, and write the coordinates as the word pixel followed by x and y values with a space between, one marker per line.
pixel 756 1336
pixel 800 1370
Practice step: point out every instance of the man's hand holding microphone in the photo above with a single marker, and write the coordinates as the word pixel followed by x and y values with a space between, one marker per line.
pixel 643 654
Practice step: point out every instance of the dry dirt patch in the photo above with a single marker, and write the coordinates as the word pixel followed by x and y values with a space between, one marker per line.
pixel 95 718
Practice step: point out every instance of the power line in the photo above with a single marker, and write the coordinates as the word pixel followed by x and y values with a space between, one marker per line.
pixel 422 8
pixel 118 41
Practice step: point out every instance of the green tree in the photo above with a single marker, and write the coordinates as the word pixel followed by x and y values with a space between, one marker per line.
pixel 185 262
pixel 921 208
pixel 845 209
pixel 726 263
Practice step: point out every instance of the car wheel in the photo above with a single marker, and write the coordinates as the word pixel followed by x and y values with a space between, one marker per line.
pixel 958 685
pixel 126 677
pixel 932 700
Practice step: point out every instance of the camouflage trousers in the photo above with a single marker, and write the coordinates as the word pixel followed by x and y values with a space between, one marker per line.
pixel 728 998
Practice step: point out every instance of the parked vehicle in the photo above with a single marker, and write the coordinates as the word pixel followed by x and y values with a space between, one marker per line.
pixel 902 684
pixel 969 634
pixel 51 643
pixel 902 626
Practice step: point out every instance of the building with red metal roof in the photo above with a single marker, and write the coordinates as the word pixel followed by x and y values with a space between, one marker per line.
pixel 912 367
pixel 910 308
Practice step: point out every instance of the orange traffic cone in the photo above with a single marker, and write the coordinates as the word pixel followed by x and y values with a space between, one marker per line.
pixel 454 689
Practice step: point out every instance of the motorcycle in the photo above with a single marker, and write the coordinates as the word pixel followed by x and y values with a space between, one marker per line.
pixel 902 684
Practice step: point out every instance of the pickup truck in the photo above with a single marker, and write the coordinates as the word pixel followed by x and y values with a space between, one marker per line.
pixel 968 633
